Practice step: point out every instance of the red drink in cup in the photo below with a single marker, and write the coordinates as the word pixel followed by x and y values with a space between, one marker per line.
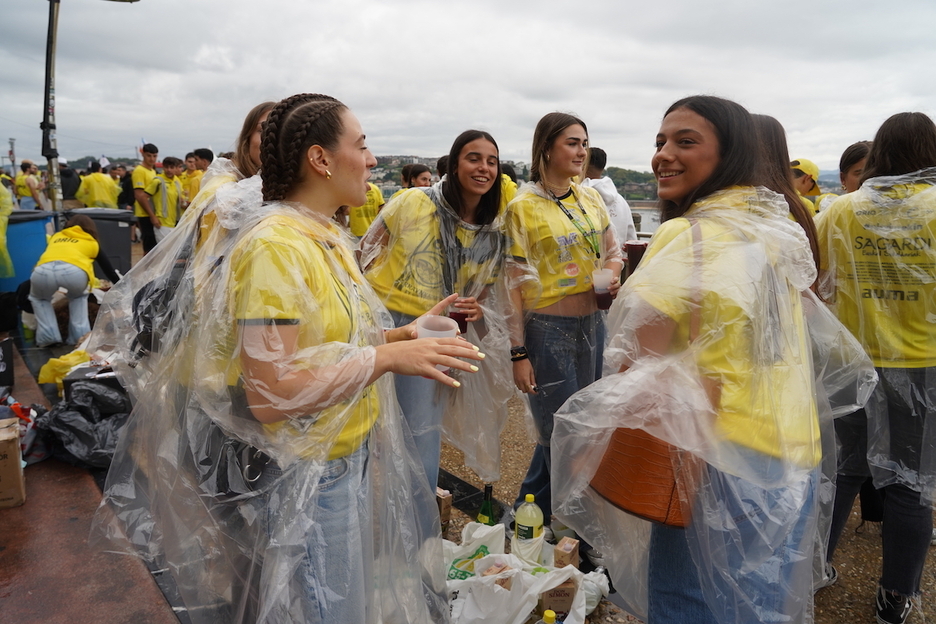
pixel 635 250
pixel 462 319
pixel 601 282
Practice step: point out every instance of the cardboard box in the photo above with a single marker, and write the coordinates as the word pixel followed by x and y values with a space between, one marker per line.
pixel 566 553
pixel 559 599
pixel 12 484
pixel 444 501
pixel 497 568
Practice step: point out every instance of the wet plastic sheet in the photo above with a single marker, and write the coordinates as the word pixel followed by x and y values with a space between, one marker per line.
pixel 880 279
pixel 730 359
pixel 336 527
pixel 416 253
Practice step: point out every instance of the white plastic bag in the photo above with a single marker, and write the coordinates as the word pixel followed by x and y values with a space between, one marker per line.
pixel 478 540
pixel 478 599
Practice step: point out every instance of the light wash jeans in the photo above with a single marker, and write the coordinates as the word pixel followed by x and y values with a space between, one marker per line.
pixel 329 584
pixel 46 279
pixel 27 203
pixel 421 402
pixel 758 544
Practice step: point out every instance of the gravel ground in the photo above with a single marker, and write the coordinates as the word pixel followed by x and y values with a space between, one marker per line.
pixel 858 557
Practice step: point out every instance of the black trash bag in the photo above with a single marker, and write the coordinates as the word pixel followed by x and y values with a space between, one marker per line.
pixel 84 429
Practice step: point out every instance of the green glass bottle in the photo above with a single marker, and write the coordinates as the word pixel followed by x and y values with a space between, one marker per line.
pixel 486 513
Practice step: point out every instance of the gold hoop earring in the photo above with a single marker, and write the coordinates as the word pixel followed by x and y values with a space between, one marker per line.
pixel 327 174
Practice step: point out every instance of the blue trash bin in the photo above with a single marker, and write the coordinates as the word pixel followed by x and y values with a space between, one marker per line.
pixel 26 241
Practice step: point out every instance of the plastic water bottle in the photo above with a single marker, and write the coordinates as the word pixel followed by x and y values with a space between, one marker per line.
pixel 549 616
pixel 528 522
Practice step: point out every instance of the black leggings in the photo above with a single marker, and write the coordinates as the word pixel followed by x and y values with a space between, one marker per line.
pixel 907 531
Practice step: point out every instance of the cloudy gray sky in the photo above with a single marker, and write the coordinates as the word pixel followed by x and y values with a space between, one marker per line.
pixel 183 73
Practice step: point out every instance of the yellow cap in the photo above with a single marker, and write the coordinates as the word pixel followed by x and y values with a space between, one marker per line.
pixel 809 168
pixel 549 617
pixel 529 498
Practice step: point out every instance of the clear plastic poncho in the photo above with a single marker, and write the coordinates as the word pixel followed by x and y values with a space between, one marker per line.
pixel 417 252
pixel 321 518
pixel 880 280
pixel 206 224
pixel 553 250
pixel 731 360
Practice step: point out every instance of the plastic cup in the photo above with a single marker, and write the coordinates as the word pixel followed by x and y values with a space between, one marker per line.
pixel 432 326
pixel 635 250
pixel 601 282
pixel 461 318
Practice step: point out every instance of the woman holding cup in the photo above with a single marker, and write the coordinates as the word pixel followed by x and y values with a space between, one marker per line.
pixel 429 243
pixel 290 357
pixel 560 235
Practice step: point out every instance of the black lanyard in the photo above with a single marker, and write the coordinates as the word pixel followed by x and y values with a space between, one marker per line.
pixel 592 239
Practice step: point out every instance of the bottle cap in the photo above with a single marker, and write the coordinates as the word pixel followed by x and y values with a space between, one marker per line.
pixel 529 498
pixel 549 616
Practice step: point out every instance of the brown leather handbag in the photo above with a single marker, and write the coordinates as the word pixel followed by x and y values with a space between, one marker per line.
pixel 636 473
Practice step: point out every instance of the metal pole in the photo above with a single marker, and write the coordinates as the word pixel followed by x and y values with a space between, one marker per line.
pixel 13 156
pixel 49 143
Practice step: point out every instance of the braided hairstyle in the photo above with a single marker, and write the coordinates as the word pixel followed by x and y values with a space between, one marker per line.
pixel 293 126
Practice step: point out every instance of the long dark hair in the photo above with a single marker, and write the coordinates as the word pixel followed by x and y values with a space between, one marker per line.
pixel 241 156
pixel 853 155
pixel 777 175
pixel 85 223
pixel 452 189
pixel 737 150
pixel 905 143
pixel 293 126
pixel 547 131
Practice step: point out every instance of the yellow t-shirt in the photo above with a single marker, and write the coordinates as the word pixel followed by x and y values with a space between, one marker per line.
pixel 407 275
pixel 283 273
pixel 768 406
pixel 141 178
pixel 542 235
pixel 508 190
pixel 192 183
pixel 98 189
pixel 879 244
pixel 6 207
pixel 74 246
pixel 360 217
pixel 166 195
pixel 21 186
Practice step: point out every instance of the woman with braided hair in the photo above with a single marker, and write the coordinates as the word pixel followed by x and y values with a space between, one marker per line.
pixel 290 350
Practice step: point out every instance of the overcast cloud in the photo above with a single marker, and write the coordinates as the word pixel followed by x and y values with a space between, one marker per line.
pixel 182 74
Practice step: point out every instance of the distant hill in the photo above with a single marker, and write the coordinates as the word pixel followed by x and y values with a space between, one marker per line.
pixel 633 184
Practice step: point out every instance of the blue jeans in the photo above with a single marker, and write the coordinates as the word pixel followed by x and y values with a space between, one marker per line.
pixel 28 203
pixel 566 353
pixel 758 542
pixel 45 281
pixel 422 405
pixel 329 584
